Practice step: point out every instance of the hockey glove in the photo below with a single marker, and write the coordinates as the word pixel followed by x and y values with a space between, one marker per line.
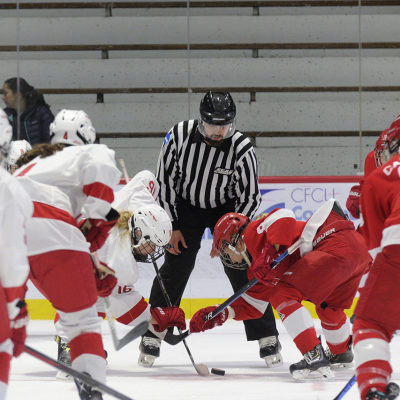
pixel 262 266
pixel 105 280
pixel 167 317
pixel 18 329
pixel 353 201
pixel 96 230
pixel 197 323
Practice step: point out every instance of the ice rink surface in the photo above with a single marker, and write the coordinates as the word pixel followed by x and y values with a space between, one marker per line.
pixel 173 377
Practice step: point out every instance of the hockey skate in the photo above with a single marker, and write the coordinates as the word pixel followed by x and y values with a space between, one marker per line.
pixel 63 356
pixel 86 392
pixel 270 351
pixel 314 360
pixel 149 350
pixel 392 391
pixel 344 360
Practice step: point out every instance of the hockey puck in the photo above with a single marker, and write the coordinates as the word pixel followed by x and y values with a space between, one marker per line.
pixel 217 371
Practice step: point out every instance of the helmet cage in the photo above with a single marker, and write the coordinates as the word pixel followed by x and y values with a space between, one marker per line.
pixel 225 256
pixel 143 249
pixel 378 155
pixel 378 150
pixel 392 144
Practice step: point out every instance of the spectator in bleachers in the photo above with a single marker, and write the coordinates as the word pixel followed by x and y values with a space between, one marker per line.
pixel 35 116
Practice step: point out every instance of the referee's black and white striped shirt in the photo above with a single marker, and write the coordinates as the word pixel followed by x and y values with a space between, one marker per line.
pixel 206 176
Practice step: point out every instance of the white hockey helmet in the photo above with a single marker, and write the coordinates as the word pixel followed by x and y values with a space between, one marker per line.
pixel 154 223
pixel 5 136
pixel 16 150
pixel 72 127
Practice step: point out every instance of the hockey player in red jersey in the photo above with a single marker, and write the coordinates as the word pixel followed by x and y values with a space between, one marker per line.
pixel 69 178
pixel 326 271
pixel 142 229
pixel 372 162
pixel 15 210
pixel 377 309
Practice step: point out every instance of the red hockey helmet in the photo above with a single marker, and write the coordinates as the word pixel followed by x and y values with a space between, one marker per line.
pixel 228 230
pixel 379 148
pixel 392 142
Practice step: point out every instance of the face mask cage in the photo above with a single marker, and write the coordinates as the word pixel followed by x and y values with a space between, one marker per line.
pixel 389 150
pixel 143 249
pixel 226 260
pixel 378 157
pixel 224 254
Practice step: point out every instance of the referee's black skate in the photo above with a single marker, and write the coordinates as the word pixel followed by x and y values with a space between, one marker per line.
pixel 343 360
pixel 392 392
pixel 314 366
pixel 149 350
pixel 270 350
pixel 86 392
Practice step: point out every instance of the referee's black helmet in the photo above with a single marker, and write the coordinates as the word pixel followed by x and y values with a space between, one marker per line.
pixel 218 108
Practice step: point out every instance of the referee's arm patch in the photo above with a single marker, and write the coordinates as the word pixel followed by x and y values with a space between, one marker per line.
pixel 167 137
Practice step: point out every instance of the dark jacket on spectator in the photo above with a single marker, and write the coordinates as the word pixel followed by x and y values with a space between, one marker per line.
pixel 34 124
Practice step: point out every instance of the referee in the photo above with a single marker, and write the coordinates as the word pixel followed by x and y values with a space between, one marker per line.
pixel 206 169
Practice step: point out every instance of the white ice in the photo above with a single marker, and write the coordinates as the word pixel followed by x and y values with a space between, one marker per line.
pixel 173 376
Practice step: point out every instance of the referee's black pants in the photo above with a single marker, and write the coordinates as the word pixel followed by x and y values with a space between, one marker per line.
pixel 176 269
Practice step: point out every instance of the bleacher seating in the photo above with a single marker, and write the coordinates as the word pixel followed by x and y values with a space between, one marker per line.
pixel 295 68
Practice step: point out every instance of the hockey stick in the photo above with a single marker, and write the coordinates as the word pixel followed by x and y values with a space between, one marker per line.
pixel 348 386
pixel 78 375
pixel 251 283
pixel 124 170
pixel 201 369
pixel 133 334
pixel 175 339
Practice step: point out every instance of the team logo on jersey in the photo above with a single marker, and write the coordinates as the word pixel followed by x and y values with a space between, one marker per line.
pixel 223 171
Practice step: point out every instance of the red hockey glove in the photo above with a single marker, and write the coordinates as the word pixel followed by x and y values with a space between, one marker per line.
pixel 167 317
pixel 18 329
pixel 96 230
pixel 262 266
pixel 105 280
pixel 353 201
pixel 197 323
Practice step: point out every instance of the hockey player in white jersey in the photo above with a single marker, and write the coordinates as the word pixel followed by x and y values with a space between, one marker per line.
pixel 70 177
pixel 142 229
pixel 15 210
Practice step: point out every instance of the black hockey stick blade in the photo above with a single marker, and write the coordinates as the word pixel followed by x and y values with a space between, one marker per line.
pixel 172 339
pixel 78 375
pixel 133 334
